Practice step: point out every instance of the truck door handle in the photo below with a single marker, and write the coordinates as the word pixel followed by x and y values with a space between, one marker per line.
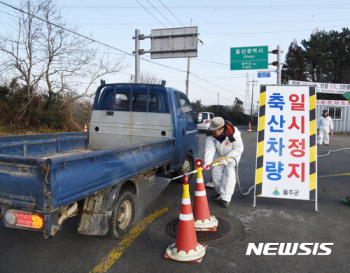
pixel 184 132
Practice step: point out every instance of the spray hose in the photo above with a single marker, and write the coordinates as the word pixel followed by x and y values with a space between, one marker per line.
pixel 237 177
pixel 333 151
pixel 218 162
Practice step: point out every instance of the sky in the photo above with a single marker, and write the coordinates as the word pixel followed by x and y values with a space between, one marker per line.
pixel 221 25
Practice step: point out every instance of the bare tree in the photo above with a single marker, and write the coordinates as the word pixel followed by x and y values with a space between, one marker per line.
pixel 71 58
pixel 146 77
pixel 22 53
pixel 47 53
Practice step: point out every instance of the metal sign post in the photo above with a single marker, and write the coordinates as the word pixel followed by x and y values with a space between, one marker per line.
pixel 137 55
pixel 278 51
pixel 168 43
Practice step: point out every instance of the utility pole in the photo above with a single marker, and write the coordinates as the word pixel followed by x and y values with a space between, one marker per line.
pixel 218 101
pixel 137 55
pixel 247 99
pixel 188 72
pixel 251 106
pixel 188 75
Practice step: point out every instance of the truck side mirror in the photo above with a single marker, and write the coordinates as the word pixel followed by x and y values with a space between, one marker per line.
pixel 199 117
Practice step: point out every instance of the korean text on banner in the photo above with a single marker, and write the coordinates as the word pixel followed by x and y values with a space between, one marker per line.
pixel 286 152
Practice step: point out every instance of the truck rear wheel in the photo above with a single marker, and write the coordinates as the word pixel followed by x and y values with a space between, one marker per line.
pixel 123 215
pixel 187 167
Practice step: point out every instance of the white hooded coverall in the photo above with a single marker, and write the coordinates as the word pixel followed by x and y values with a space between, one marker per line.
pixel 324 125
pixel 224 177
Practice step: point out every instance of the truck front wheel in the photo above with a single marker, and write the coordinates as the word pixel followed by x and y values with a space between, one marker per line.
pixel 123 215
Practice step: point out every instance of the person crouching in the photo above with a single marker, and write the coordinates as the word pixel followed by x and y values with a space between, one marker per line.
pixel 223 139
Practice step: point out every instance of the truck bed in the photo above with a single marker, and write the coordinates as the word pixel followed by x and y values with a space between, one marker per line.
pixel 68 153
pixel 44 172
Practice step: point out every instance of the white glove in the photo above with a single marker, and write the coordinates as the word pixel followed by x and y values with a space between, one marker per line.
pixel 226 161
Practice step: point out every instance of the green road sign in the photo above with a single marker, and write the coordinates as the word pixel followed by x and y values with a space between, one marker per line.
pixel 247 58
pixel 346 95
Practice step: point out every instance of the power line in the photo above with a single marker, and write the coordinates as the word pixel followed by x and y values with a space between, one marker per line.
pixel 228 77
pixel 216 85
pixel 80 35
pixel 106 45
pixel 106 14
pixel 161 13
pixel 211 62
pixel 210 22
pixel 267 7
pixel 210 91
pixel 7 13
pixel 172 13
pixel 211 49
pixel 119 54
pixel 230 34
pixel 150 13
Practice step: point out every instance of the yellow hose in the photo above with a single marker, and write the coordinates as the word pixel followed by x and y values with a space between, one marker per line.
pixel 219 159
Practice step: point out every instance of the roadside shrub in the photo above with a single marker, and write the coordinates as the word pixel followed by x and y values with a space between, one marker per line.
pixel 46 110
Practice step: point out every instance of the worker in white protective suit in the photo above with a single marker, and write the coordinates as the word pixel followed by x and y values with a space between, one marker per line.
pixel 323 126
pixel 223 139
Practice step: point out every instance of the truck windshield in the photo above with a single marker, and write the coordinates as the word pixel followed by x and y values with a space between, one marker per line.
pixel 186 107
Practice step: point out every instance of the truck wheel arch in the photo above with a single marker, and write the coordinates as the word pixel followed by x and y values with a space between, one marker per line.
pixel 112 194
pixel 129 186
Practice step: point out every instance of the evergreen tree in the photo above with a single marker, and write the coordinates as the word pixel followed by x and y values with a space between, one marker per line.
pixel 197 105
pixel 317 57
pixel 295 66
pixel 340 56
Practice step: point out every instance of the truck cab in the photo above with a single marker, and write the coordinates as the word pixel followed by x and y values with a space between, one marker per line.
pixel 131 114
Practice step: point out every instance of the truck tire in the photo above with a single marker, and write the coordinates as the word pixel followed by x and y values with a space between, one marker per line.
pixel 123 215
pixel 187 167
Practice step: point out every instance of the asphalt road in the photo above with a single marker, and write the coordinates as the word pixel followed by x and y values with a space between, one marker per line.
pixel 272 221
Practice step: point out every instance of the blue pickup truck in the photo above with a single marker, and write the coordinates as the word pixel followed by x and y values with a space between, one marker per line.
pixel 135 131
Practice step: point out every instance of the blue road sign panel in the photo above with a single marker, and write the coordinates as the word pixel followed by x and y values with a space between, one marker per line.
pixel 264 75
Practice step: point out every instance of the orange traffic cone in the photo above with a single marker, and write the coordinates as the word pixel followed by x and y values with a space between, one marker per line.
pixel 186 247
pixel 210 184
pixel 85 129
pixel 202 219
pixel 250 128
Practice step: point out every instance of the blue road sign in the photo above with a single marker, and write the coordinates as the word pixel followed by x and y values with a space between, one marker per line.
pixel 264 74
